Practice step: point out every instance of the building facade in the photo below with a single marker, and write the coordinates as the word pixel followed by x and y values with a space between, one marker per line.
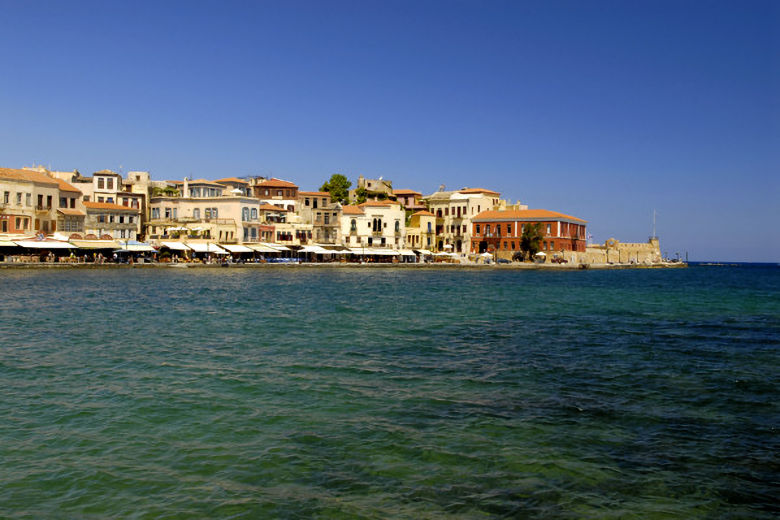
pixel 205 209
pixel 374 224
pixel 454 211
pixel 500 231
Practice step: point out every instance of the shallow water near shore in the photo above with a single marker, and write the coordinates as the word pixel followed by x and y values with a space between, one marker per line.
pixel 390 393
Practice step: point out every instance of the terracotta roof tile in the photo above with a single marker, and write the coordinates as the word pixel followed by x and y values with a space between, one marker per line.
pixel 467 191
pixel 64 186
pixel 232 179
pixel 27 176
pixel 524 214
pixel 72 212
pixel 352 210
pixel 108 205
pixel 276 183
pixel 314 193
pixel 423 213
pixel 270 207
pixel 379 203
pixel 406 192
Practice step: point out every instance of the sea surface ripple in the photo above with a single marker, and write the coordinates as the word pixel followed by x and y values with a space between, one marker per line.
pixel 390 393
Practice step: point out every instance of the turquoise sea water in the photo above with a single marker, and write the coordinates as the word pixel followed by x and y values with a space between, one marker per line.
pixel 389 393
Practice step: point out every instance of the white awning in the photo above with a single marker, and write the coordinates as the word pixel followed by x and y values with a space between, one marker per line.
pixel 7 243
pixel 424 252
pixel 407 252
pixel 176 246
pixel 316 250
pixel 136 247
pixel 373 251
pixel 95 244
pixel 277 247
pixel 236 248
pixel 444 254
pixel 260 248
pixel 44 244
pixel 208 247
pixel 540 254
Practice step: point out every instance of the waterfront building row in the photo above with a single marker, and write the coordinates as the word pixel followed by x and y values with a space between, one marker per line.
pixel 109 206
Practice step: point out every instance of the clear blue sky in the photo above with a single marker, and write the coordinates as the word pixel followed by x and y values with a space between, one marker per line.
pixel 603 110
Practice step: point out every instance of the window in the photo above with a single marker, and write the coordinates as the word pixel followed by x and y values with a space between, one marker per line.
pixel 429 227
pixel 509 229
pixel 5 226
pixel 327 218
pixel 245 214
pixel 111 218
pixel 100 199
pixel 122 233
pixel 27 199
pixel 278 193
pixel 121 219
pixel 505 245
pixel 40 201
pixel 549 226
pixel 155 213
pixel 110 199
pixel 213 212
pixel 63 202
pixel 101 183
pixel 196 213
pixel 254 214
pixel 6 197
pixel 477 228
pixel 306 202
pixel 19 199
pixel 101 218
pixel 18 223
pixel 353 225
pixel 397 226
pixel 110 184
pixel 130 219
pixel 314 203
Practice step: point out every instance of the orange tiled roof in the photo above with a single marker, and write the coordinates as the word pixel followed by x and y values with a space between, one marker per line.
pixel 72 212
pixel 423 213
pixel 64 186
pixel 523 214
pixel 379 203
pixel 108 205
pixel 27 175
pixel 314 193
pixel 232 179
pixel 271 207
pixel 406 192
pixel 277 183
pixel 352 210
pixel 467 191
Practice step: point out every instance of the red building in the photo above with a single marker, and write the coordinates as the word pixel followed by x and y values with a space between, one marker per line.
pixel 500 231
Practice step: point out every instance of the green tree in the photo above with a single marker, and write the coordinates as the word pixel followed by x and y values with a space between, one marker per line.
pixel 338 187
pixel 531 240
pixel 361 195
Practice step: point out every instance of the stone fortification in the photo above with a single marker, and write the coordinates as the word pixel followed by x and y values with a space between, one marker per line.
pixel 615 252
